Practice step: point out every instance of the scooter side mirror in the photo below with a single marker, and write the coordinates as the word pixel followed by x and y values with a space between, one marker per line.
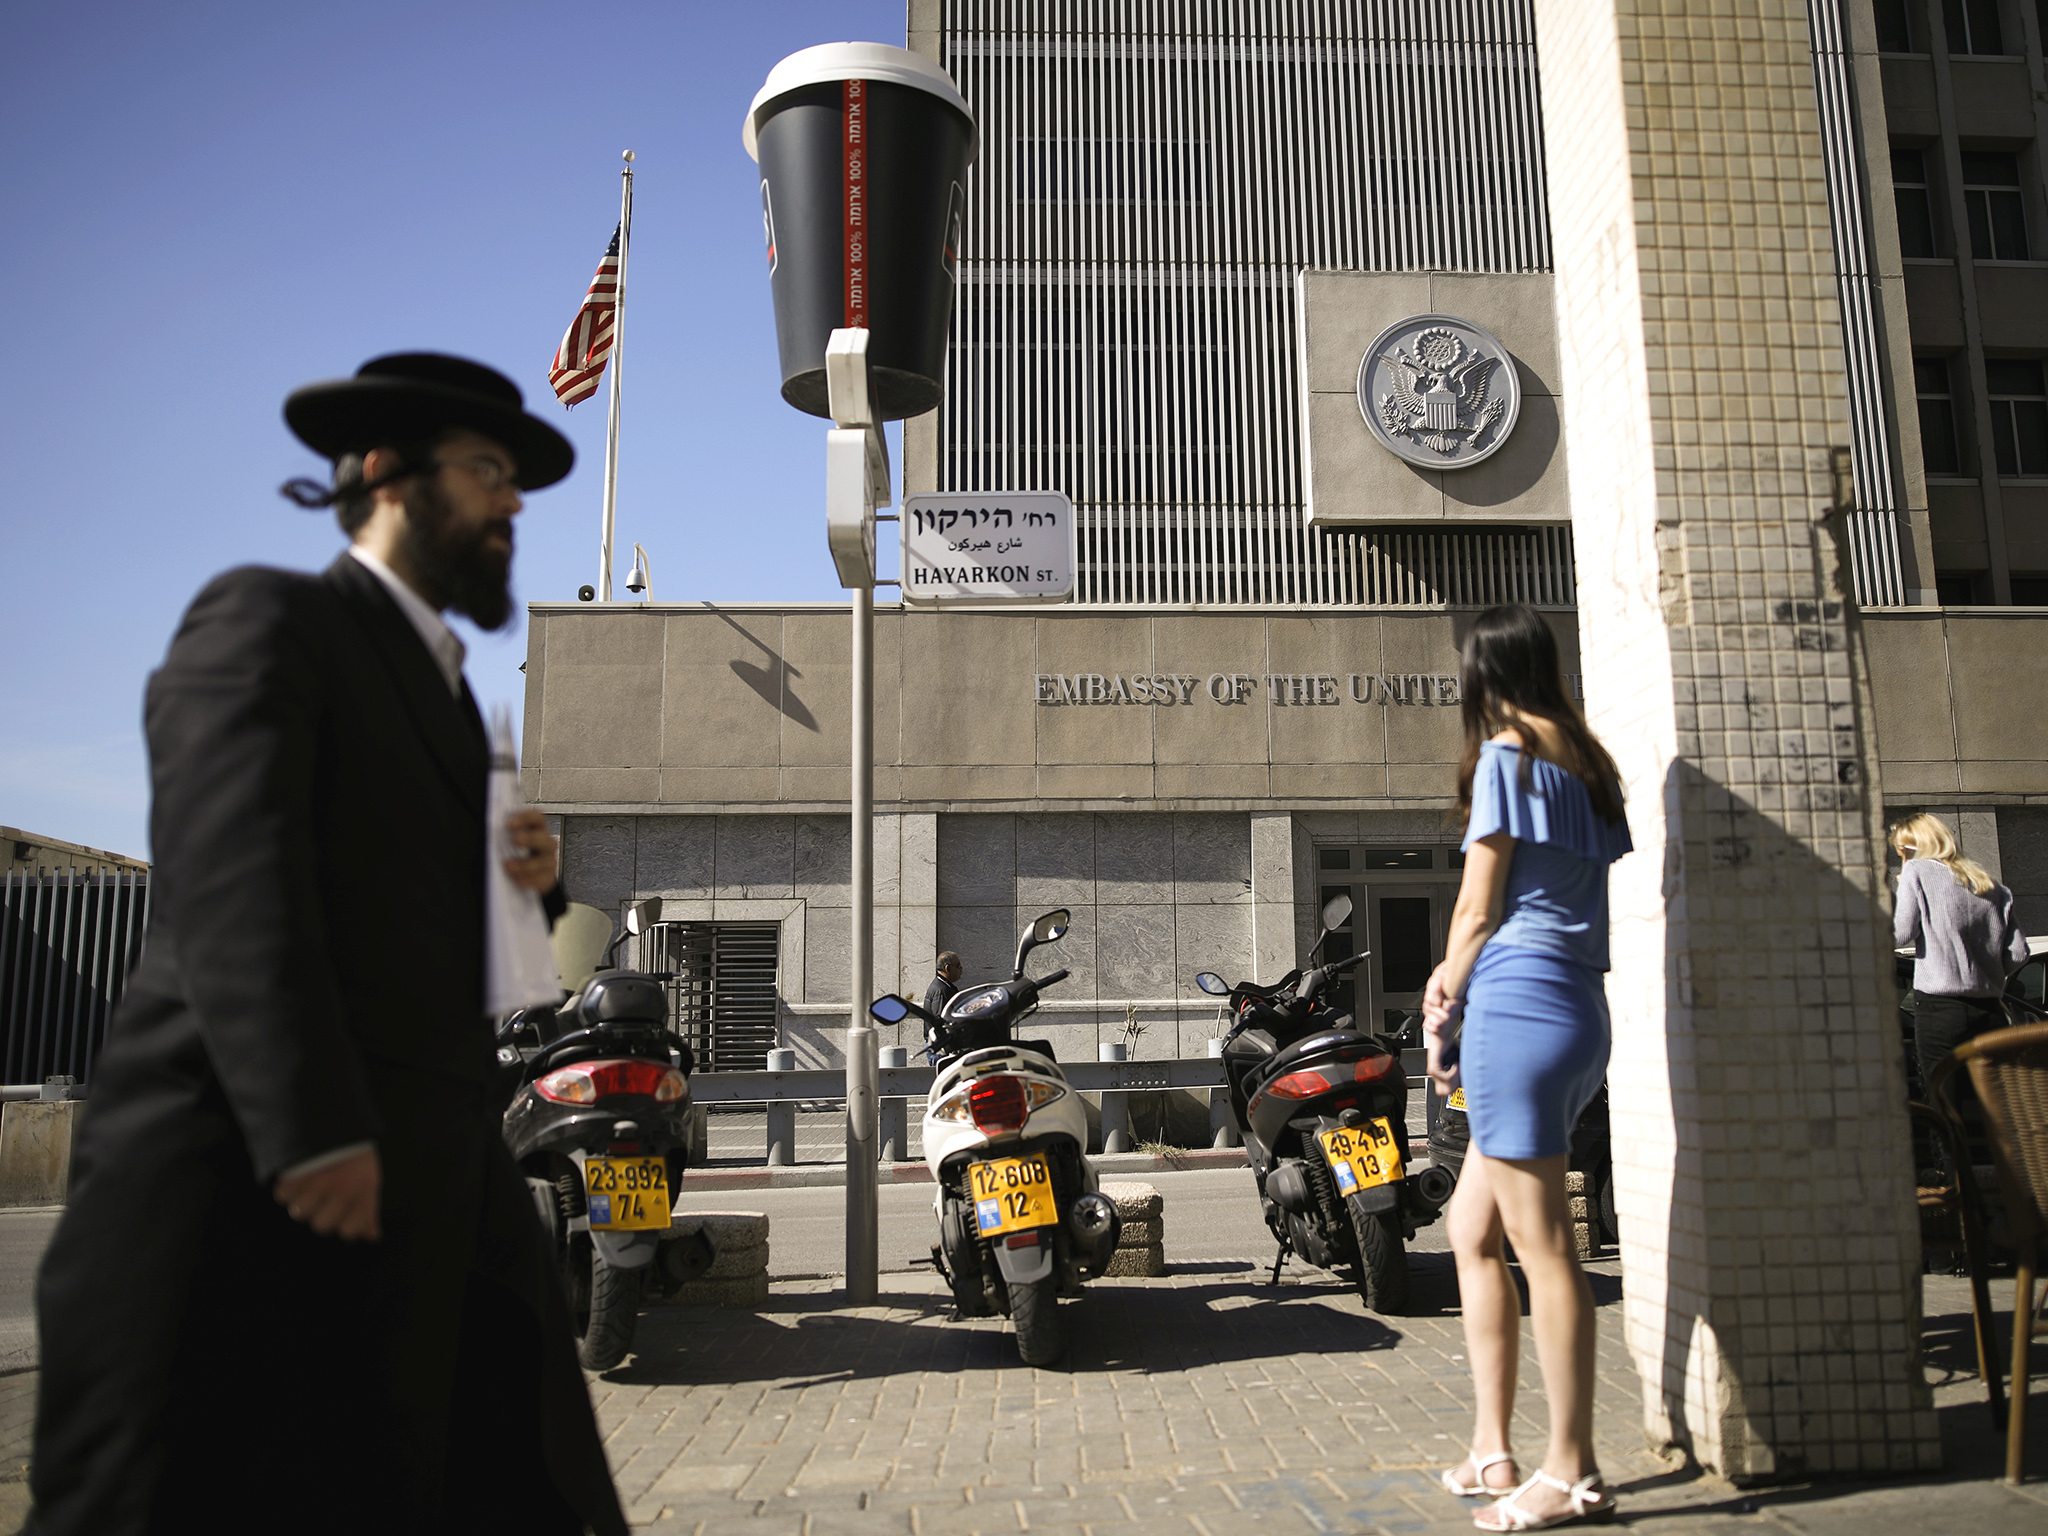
pixel 1046 928
pixel 1212 984
pixel 1337 911
pixel 643 915
pixel 889 1009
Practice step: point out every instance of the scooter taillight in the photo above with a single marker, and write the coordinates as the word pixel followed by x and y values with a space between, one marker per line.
pixel 1370 1069
pixel 998 1102
pixel 589 1081
pixel 1299 1085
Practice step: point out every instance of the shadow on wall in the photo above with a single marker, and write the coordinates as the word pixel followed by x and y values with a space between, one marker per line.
pixel 1806 1039
pixel 771 682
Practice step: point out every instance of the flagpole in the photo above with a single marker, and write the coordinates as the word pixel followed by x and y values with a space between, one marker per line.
pixel 611 430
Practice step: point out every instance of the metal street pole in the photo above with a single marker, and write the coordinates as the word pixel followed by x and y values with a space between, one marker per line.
pixel 863 1215
pixel 856 482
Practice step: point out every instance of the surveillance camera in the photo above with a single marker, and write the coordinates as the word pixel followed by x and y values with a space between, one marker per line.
pixel 586 593
pixel 636 582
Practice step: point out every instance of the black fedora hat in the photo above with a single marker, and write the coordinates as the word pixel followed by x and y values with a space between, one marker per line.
pixel 408 395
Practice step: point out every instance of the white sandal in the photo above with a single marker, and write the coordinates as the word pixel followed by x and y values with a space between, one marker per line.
pixel 1589 1502
pixel 1479 1488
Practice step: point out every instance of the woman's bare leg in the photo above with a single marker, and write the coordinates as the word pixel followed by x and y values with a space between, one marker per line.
pixel 1530 1198
pixel 1492 1316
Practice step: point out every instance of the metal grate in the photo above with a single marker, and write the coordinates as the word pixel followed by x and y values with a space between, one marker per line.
pixel 67 944
pixel 722 996
pixel 1154 174
pixel 1155 560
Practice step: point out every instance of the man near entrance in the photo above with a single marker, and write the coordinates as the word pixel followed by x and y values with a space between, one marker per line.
pixel 300 1284
pixel 944 985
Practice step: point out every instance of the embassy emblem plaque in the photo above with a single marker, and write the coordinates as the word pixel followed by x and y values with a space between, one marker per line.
pixel 1438 391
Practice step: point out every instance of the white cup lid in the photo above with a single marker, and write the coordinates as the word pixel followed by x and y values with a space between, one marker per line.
pixel 856 61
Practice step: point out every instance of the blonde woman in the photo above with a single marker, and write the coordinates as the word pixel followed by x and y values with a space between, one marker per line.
pixel 1965 940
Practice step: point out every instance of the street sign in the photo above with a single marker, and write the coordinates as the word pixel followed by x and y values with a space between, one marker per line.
pixel 988 547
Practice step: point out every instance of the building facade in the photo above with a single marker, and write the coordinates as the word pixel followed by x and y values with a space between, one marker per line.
pixel 1186 224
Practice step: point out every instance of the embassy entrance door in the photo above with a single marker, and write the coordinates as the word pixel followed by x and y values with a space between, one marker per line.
pixel 1401 900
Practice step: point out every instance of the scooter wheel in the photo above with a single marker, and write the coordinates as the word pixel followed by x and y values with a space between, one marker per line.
pixel 1382 1262
pixel 1035 1310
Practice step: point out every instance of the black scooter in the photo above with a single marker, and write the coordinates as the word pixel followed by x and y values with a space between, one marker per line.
pixel 599 1122
pixel 1322 1107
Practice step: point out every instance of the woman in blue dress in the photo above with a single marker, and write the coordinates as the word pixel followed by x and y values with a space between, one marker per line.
pixel 1523 967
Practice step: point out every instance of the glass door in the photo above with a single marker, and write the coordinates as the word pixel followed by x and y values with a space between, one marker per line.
pixel 1406 925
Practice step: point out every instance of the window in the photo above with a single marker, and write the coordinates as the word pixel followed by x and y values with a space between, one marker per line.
pixel 1972 26
pixel 1333 858
pixel 1895 26
pixel 1940 445
pixel 1962 589
pixel 1998 216
pixel 1915 206
pixel 2029 590
pixel 1397 858
pixel 2019 415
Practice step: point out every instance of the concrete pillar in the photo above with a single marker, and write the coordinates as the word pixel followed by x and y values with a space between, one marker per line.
pixel 1116 1106
pixel 1273 923
pixel 781 1115
pixel 1769 1235
pixel 893 1135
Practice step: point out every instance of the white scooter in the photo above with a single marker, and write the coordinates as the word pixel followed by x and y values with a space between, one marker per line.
pixel 1021 1217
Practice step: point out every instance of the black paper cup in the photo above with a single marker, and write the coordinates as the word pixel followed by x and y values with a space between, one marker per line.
pixel 863 152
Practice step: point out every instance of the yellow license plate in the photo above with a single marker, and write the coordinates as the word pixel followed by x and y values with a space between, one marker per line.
pixel 1457 1098
pixel 627 1194
pixel 1011 1194
pixel 1363 1156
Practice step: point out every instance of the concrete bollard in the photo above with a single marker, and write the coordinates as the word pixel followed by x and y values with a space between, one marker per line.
pixel 1141 1244
pixel 35 1151
pixel 893 1127
pixel 739 1273
pixel 1116 1107
pixel 781 1115
pixel 1222 1123
pixel 700 1135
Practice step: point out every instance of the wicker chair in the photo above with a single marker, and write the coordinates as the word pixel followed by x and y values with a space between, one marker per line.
pixel 1951 1210
pixel 2009 1068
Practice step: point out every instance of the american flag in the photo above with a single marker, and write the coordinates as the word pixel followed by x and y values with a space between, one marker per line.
pixel 587 345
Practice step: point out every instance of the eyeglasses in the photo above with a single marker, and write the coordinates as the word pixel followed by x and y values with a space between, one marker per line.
pixel 489 473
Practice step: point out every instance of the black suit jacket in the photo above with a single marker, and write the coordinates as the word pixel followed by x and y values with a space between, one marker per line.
pixel 312 977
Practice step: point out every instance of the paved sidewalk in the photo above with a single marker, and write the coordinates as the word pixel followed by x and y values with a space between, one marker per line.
pixel 1204 1403
pixel 1201 1404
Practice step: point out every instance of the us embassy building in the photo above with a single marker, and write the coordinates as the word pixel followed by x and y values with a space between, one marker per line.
pixel 1339 320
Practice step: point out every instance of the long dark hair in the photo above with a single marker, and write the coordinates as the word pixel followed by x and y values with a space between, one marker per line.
pixel 1510 663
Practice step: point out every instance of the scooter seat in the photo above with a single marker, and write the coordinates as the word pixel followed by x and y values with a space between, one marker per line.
pixel 1321 1041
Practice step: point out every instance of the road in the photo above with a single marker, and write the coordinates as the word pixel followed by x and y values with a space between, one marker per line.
pixel 1211 1217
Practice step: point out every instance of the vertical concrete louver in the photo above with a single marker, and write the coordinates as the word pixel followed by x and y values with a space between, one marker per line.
pixel 1874 524
pixel 1153 174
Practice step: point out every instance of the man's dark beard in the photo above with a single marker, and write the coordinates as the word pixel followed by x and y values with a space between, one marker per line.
pixel 459 570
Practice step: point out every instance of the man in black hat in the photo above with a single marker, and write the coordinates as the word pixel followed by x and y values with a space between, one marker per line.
pixel 300 1285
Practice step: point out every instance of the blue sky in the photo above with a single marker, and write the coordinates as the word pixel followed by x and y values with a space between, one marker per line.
pixel 208 204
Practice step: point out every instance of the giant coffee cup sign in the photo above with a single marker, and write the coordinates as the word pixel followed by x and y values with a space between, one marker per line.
pixel 863 150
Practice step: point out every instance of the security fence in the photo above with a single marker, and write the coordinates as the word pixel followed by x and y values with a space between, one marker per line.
pixel 67 943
